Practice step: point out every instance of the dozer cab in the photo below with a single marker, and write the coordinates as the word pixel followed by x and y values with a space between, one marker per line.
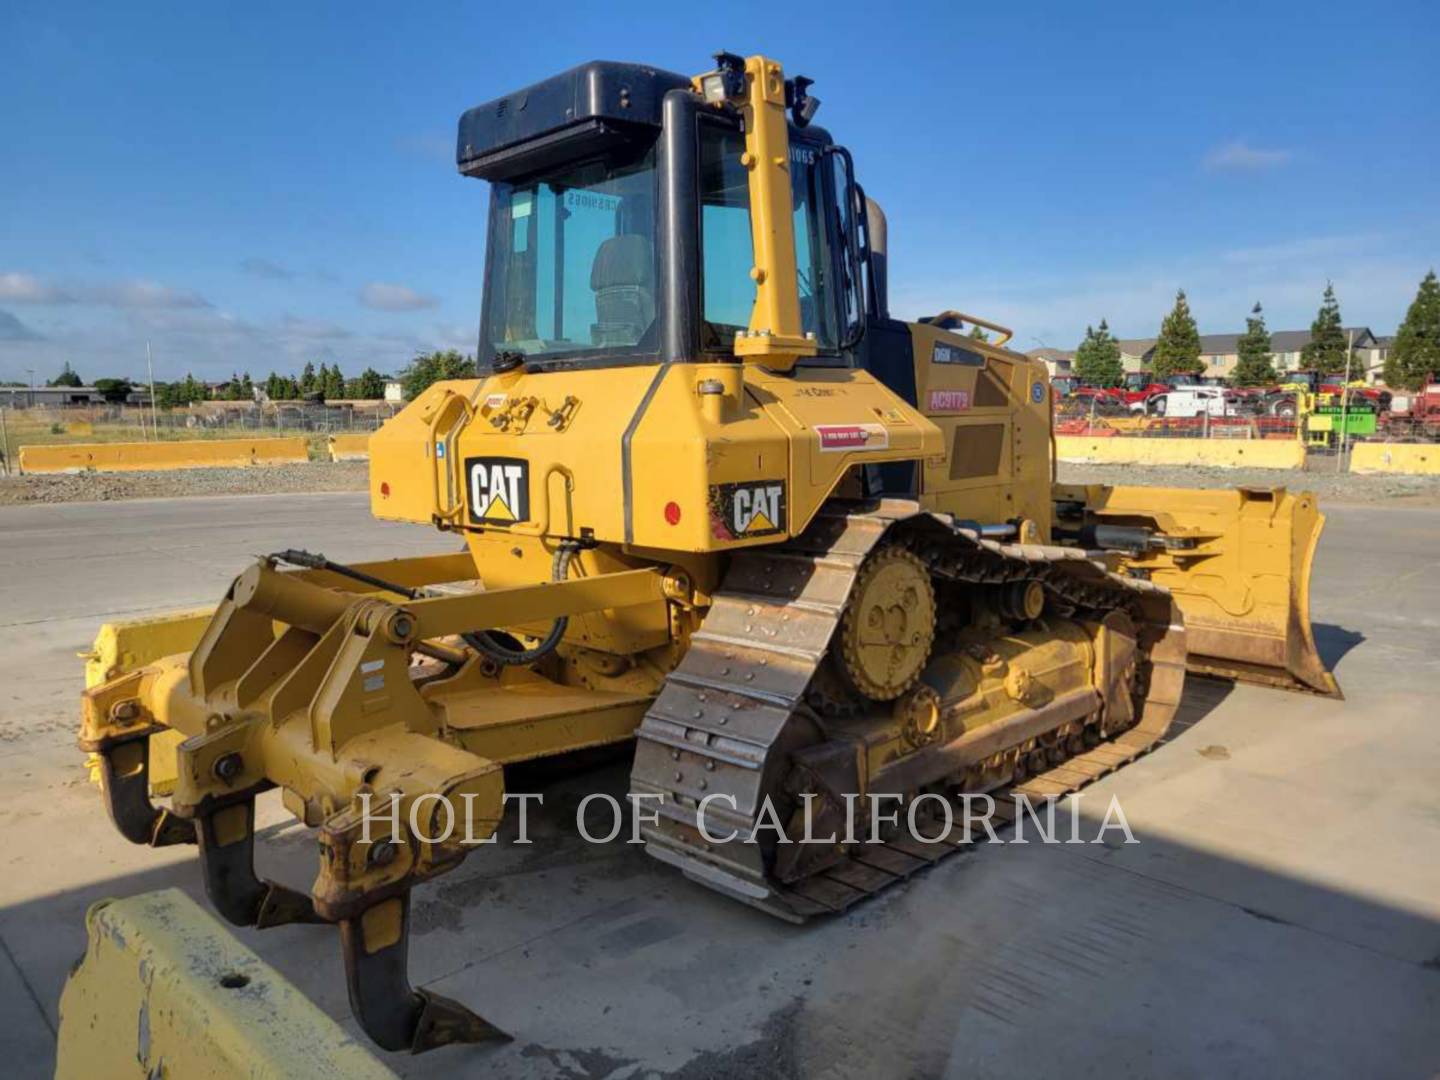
pixel 711 497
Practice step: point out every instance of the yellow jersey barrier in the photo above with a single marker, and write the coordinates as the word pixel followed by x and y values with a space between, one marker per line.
pixel 1380 457
pixel 185 454
pixel 350 447
pixel 163 990
pixel 1217 453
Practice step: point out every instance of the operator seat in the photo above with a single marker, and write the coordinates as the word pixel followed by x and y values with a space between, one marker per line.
pixel 623 279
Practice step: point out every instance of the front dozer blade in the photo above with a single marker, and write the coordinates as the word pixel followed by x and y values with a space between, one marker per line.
pixel 1238 564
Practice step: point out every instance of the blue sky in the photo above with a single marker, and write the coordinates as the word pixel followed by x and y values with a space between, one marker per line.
pixel 253 185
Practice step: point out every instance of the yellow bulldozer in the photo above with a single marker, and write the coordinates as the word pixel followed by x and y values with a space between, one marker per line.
pixel 713 499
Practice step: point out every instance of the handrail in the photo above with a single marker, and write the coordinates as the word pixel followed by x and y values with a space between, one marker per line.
pixel 948 319
pixel 467 413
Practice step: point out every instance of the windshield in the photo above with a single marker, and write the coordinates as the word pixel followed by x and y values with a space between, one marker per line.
pixel 572 262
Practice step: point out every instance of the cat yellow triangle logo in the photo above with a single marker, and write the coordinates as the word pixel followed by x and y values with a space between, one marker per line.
pixel 499 489
pixel 497 510
pixel 760 524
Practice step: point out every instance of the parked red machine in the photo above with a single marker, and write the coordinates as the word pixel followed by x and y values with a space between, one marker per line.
pixel 1414 414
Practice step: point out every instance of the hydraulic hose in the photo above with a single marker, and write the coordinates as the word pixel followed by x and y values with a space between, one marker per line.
pixel 484 641
pixel 487 645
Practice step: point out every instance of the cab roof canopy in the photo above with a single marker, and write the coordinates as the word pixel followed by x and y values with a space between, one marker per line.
pixel 581 113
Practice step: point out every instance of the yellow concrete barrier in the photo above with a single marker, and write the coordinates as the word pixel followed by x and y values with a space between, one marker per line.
pixel 187 454
pixel 1380 457
pixel 164 990
pixel 350 447
pixel 1216 453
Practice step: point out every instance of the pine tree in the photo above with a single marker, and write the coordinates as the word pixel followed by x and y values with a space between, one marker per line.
pixel 369 386
pixel 1414 358
pixel 232 388
pixel 334 384
pixel 1254 367
pixel 977 333
pixel 1097 360
pixel 1326 351
pixel 1177 351
pixel 247 388
pixel 273 386
pixel 67 377
pixel 307 378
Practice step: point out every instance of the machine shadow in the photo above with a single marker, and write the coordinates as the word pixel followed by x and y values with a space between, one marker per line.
pixel 1333 642
pixel 597 957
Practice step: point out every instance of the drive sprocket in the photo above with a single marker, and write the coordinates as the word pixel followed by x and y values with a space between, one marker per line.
pixel 889 624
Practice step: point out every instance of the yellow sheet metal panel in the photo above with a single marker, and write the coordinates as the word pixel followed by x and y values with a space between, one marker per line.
pixel 350 447
pixel 1217 453
pixel 162 990
pixel 1374 457
pixel 124 646
pixel 188 454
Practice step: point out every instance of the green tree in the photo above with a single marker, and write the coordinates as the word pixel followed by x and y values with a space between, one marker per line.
pixel 233 389
pixel 1254 366
pixel 190 390
pixel 67 377
pixel 1414 357
pixel 1177 351
pixel 1097 360
pixel 307 378
pixel 167 395
pixel 367 386
pixel 247 388
pixel 429 368
pixel 977 333
pixel 1327 347
pixel 114 391
pixel 334 384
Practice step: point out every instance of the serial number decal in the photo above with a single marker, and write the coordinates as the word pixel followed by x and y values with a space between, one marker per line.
pixel 752 508
pixel 943 401
pixel 499 489
pixel 839 437
pixel 954 354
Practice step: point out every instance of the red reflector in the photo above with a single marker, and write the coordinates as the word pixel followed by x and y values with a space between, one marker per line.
pixel 384 490
pixel 672 513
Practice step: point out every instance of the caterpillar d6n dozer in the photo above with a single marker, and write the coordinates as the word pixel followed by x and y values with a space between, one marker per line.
pixel 713 499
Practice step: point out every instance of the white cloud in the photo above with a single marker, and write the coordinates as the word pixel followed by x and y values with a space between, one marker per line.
pixel 142 294
pixel 387 297
pixel 1240 156
pixel 28 289
pixel 312 329
pixel 266 268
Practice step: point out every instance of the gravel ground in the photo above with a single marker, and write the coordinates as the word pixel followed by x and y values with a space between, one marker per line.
pixel 351 476
pixel 164 484
pixel 1328 486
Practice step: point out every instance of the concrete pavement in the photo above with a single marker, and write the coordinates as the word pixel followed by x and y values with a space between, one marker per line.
pixel 1280 916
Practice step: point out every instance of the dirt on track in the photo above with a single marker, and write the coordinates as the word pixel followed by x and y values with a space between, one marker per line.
pixel 1328 485
pixel 170 483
